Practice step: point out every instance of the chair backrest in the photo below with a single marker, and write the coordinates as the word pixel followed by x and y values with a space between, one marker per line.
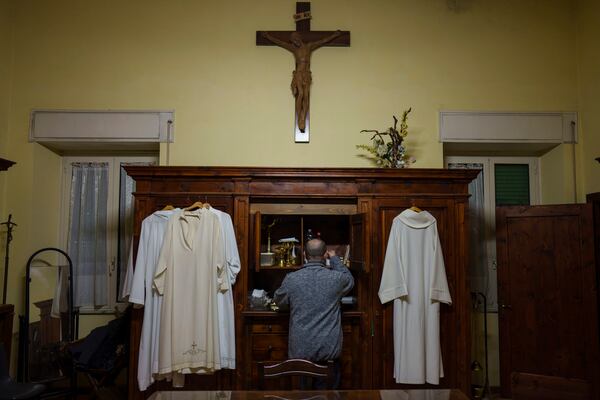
pixel 541 387
pixel 295 367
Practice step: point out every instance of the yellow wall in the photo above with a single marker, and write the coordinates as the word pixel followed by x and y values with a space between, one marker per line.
pixel 232 99
pixel 588 46
pixel 556 175
pixel 5 62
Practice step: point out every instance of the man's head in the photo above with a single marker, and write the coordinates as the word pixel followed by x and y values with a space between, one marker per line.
pixel 315 250
pixel 296 39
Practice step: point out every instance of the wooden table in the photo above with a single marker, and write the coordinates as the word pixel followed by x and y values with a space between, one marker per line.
pixel 425 394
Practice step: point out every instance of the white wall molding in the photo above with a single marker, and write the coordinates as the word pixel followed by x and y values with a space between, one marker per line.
pixel 78 129
pixel 508 127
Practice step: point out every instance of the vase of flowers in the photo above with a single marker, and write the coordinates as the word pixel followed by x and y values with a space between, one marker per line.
pixel 392 153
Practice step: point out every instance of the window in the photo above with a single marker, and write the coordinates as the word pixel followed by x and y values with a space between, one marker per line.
pixel 97 215
pixel 503 181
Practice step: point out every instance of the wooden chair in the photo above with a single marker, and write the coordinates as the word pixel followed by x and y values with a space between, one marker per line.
pixel 541 387
pixel 295 367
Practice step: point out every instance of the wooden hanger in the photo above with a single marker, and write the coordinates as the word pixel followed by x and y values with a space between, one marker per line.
pixel 415 209
pixel 168 207
pixel 194 206
pixel 206 205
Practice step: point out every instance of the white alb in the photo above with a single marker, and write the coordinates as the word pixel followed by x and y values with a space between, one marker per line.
pixel 415 278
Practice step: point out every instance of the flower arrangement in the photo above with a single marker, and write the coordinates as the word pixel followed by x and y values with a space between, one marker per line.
pixel 390 154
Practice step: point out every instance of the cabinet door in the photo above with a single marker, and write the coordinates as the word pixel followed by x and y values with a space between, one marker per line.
pixel 359 258
pixel 257 228
pixel 387 210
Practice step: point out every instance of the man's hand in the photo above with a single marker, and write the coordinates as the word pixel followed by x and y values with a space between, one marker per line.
pixel 330 253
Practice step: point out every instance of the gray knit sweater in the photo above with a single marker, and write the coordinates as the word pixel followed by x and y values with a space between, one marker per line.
pixel 313 294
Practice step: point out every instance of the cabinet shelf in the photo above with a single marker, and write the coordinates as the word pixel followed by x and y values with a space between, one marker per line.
pixel 344 233
pixel 276 267
pixel 277 314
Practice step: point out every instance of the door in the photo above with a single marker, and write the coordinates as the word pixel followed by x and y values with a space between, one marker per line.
pixel 547 292
pixel 359 258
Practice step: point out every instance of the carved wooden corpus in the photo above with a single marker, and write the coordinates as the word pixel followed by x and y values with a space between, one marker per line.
pixel 301 43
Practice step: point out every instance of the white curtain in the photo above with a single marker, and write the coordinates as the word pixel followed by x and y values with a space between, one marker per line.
pixel 87 245
pixel 478 268
pixel 126 189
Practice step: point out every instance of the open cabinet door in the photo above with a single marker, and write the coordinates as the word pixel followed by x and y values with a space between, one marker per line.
pixel 547 294
pixel 359 256
pixel 257 228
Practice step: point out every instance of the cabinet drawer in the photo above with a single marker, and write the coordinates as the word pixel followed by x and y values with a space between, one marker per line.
pixel 269 347
pixel 269 328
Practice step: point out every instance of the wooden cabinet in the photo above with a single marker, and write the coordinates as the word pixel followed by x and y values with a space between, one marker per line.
pixel 348 207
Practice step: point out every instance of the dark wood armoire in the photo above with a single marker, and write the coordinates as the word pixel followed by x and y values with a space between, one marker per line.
pixel 346 206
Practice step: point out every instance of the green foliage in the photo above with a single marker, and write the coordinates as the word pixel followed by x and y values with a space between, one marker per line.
pixel 390 154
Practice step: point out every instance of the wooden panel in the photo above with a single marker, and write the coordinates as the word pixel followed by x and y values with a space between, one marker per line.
pixel 547 292
pixel 257 244
pixel 303 209
pixel 359 259
pixel 301 188
pixel 272 327
pixel 178 187
pixel 453 334
pixel 540 387
pixel 269 343
pixel 269 347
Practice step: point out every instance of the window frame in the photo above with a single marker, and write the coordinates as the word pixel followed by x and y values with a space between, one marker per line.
pixel 112 225
pixel 489 195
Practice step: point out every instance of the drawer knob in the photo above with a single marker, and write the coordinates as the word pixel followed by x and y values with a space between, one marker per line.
pixel 269 328
pixel 269 349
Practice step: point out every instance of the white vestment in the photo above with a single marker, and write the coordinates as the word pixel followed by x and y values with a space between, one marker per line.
pixel 141 293
pixel 415 278
pixel 128 281
pixel 190 271
pixel 225 299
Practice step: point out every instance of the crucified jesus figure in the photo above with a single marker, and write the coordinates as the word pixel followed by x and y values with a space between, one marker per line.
pixel 301 79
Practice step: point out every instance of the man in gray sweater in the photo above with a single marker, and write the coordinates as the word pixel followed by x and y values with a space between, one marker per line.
pixel 313 294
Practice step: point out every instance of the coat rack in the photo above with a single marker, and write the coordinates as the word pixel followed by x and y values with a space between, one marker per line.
pixel 9 227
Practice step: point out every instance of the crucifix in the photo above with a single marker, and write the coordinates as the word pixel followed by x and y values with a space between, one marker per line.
pixel 301 43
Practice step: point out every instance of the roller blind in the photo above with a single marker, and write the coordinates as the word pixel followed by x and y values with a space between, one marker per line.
pixel 512 184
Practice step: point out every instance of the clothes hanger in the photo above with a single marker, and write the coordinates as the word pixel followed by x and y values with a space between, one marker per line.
pixel 415 209
pixel 168 207
pixel 206 205
pixel 197 204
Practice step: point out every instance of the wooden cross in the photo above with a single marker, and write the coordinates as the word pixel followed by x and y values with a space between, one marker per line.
pixel 302 42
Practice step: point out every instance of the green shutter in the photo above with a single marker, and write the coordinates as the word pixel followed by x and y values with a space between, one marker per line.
pixel 512 184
